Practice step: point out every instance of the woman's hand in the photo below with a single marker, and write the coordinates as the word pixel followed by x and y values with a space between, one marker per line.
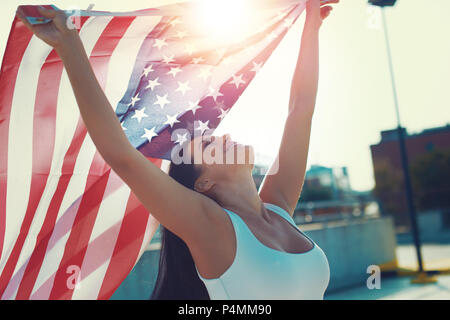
pixel 318 10
pixel 56 33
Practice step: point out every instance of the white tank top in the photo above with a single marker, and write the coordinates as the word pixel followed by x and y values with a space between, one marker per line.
pixel 260 272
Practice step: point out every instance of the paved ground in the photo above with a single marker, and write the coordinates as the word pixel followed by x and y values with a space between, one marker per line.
pixel 436 256
pixel 398 288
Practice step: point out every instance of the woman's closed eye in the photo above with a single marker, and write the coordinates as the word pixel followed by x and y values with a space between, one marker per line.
pixel 206 142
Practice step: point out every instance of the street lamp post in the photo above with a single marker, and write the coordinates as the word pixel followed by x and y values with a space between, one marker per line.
pixel 423 278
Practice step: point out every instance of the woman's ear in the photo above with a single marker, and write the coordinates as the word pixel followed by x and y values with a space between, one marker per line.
pixel 203 184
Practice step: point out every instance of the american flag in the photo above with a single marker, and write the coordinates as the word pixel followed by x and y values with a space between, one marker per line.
pixel 69 227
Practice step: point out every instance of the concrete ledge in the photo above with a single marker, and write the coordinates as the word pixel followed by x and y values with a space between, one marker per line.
pixel 354 246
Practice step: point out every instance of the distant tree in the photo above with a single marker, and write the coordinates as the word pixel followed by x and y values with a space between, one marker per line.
pixel 430 175
pixel 389 191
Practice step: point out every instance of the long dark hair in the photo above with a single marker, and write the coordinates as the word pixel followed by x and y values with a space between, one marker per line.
pixel 177 276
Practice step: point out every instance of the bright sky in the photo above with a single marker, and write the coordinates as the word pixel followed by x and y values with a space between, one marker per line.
pixel 355 98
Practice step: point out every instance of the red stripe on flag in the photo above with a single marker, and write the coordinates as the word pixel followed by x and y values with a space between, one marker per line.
pixel 84 221
pixel 18 41
pixel 128 244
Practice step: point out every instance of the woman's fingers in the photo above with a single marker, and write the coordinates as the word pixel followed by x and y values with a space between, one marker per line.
pixel 47 12
pixel 58 17
pixel 325 2
pixel 325 11
pixel 22 17
pixel 320 3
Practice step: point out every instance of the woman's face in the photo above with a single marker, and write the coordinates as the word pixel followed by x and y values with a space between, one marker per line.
pixel 219 157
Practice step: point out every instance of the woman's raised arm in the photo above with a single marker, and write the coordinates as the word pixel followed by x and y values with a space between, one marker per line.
pixel 283 183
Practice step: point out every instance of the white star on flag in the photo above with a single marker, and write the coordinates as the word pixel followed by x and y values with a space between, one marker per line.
pixel 152 84
pixel 149 134
pixel 176 21
pixel 222 114
pixel 168 59
pixel 183 87
pixel 159 43
pixel 171 120
pixel 214 92
pixel 256 67
pixel 189 48
pixel 162 100
pixel 227 60
pixel 205 73
pixel 174 70
pixel 193 106
pixel 237 80
pixel 202 126
pixel 181 138
pixel 134 100
pixel 147 70
pixel 139 114
pixel 197 60
pixel 181 34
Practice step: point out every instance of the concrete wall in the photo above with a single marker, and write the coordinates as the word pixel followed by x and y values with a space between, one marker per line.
pixel 350 248
pixel 431 228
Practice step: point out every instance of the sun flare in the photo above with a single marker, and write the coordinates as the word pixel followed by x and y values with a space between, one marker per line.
pixel 223 19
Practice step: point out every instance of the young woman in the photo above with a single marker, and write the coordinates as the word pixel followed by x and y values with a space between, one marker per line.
pixel 221 238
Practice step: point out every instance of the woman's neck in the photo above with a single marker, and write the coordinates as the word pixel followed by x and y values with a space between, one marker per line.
pixel 239 196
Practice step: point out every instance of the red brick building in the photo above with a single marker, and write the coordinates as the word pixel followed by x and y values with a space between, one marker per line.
pixel 388 168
